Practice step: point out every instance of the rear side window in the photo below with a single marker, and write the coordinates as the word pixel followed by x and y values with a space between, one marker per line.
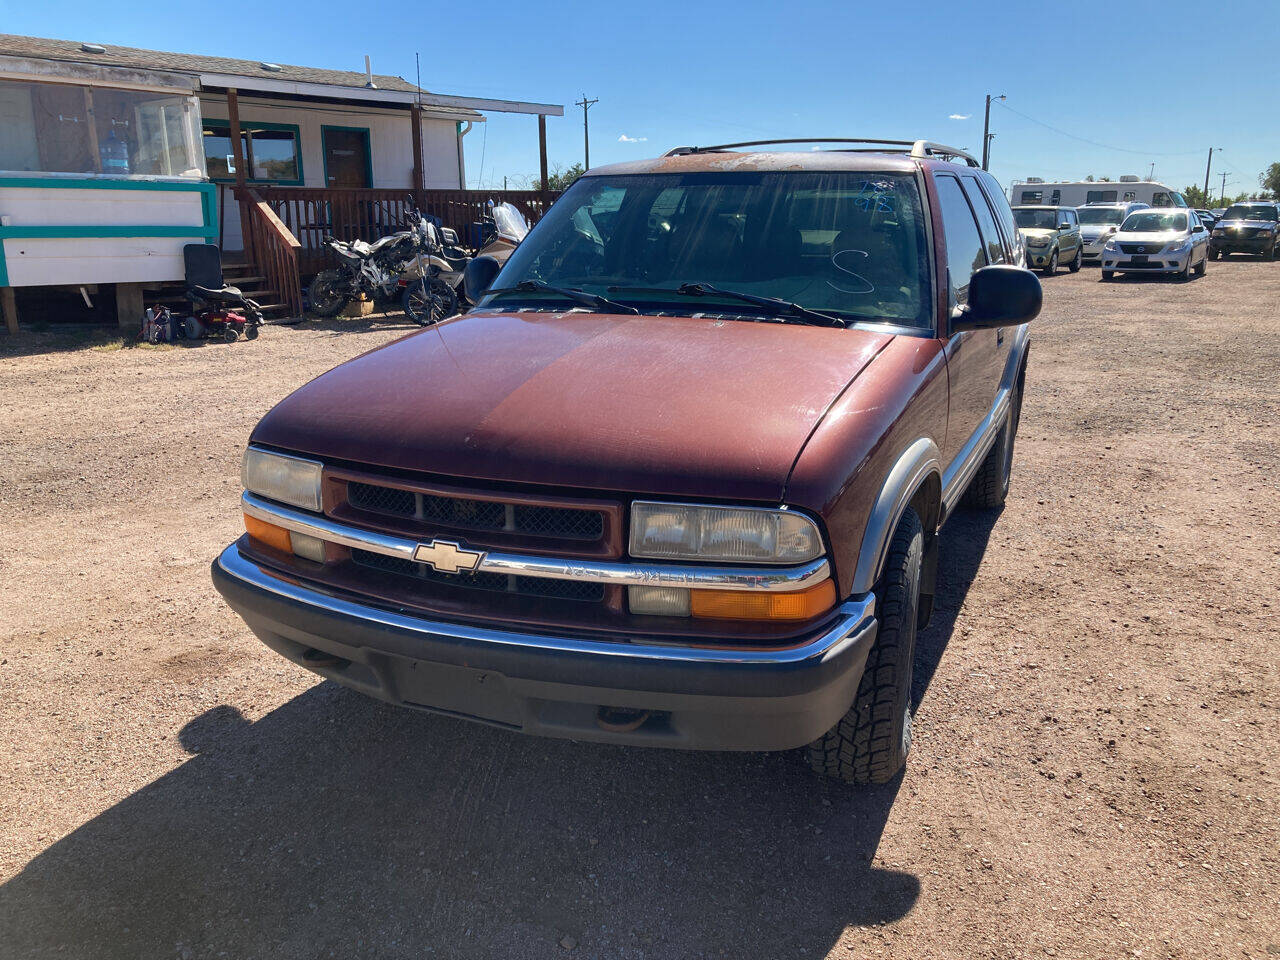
pixel 986 221
pixel 965 252
pixel 1001 206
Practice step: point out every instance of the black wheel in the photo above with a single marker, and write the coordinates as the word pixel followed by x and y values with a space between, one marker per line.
pixel 1108 274
pixel 1214 254
pixel 229 333
pixel 251 331
pixel 327 293
pixel 1271 254
pixel 1052 268
pixel 1078 262
pixel 425 304
pixel 1185 272
pixel 990 485
pixel 1203 265
pixel 870 743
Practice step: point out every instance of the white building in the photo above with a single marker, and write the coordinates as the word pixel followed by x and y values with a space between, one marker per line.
pixel 113 158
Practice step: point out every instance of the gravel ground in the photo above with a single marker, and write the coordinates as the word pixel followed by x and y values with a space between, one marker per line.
pixel 1095 759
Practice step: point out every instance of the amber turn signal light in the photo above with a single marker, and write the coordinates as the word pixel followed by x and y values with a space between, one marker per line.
pixel 749 605
pixel 268 534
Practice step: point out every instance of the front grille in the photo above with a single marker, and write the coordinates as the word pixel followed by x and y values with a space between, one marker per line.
pixel 560 523
pixel 1141 247
pixel 494 582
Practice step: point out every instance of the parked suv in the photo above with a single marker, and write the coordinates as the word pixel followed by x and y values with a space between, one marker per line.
pixel 678 478
pixel 1098 221
pixel 1246 228
pixel 1052 236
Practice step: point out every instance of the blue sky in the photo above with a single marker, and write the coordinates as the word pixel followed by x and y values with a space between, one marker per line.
pixel 1141 77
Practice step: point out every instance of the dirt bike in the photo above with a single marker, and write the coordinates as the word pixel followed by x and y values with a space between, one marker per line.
pixel 372 269
pixel 443 261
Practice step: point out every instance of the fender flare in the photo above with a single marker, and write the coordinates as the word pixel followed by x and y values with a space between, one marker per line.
pixel 912 468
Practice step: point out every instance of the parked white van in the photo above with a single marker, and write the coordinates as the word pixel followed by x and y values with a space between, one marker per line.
pixel 1078 193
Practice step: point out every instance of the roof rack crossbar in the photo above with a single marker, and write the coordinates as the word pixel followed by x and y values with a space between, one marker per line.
pixel 919 149
pixel 927 148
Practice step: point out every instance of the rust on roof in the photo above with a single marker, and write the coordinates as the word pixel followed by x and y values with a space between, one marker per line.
pixel 770 161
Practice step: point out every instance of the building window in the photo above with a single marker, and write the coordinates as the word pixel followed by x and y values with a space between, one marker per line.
pixel 1031 196
pixel 63 128
pixel 272 152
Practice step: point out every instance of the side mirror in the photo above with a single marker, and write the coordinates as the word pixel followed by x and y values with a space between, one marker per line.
pixel 478 276
pixel 1064 225
pixel 999 296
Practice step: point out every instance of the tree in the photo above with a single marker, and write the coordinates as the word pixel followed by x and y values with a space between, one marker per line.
pixel 1198 198
pixel 1270 180
pixel 561 177
pixel 1089 178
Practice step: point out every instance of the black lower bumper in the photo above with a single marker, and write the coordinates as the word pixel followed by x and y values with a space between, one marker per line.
pixel 643 693
pixel 1239 245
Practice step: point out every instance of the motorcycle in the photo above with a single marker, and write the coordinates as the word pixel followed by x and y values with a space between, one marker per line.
pixel 372 269
pixel 443 292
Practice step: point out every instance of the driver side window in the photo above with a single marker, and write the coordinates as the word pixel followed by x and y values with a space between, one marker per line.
pixel 965 252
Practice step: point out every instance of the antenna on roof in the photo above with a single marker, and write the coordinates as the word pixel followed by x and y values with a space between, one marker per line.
pixel 368 72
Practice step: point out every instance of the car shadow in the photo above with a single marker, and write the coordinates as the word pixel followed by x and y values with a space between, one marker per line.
pixel 338 826
pixel 961 547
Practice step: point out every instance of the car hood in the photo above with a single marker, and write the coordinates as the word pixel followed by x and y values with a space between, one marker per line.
pixel 676 406
pixel 1093 233
pixel 1164 236
pixel 1037 232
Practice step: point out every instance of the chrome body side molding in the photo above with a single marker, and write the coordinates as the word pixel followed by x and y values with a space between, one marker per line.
pixel 552 568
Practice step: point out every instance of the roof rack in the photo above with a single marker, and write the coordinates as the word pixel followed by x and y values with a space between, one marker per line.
pixel 919 149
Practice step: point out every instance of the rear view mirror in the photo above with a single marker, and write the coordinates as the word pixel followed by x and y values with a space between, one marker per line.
pixel 999 296
pixel 478 276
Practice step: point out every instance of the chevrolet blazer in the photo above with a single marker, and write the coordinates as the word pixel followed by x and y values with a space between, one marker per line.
pixel 678 478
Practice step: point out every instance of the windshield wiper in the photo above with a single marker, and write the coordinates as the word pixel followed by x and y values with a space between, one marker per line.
pixel 569 293
pixel 782 309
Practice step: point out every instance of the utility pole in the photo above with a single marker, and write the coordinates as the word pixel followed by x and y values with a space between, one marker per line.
pixel 1206 172
pixel 1222 197
pixel 585 104
pixel 1151 174
pixel 987 135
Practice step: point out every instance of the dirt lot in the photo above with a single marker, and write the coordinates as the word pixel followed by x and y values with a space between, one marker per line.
pixel 1095 763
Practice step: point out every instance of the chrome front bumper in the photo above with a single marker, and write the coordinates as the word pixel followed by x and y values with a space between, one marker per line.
pixel 690 694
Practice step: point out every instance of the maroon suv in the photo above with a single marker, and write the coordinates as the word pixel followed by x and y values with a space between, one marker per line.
pixel 677 480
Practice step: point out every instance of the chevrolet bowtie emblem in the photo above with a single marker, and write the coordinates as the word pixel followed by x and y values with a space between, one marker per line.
pixel 445 556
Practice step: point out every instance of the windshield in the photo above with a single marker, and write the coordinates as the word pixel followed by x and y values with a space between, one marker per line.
pixel 1036 219
pixel 1100 215
pixel 1242 211
pixel 849 244
pixel 1147 222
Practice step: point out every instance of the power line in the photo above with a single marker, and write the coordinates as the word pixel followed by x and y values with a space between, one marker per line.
pixel 1105 146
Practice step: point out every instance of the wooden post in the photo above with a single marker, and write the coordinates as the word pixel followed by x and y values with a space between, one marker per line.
pixel 415 116
pixel 9 303
pixel 237 150
pixel 129 305
pixel 96 160
pixel 542 157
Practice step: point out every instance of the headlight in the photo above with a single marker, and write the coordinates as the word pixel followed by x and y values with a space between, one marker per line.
pixel 681 531
pixel 1037 241
pixel 1218 231
pixel 1177 246
pixel 291 480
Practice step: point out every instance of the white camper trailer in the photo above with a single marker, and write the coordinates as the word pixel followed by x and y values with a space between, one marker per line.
pixel 1078 193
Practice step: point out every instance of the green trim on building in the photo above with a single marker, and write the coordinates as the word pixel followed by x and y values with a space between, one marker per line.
pixel 368 152
pixel 248 126
pixel 207 230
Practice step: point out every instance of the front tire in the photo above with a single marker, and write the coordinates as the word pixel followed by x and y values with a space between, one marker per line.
pixel 326 293
pixel 1078 262
pixel 870 743
pixel 1203 265
pixel 1052 268
pixel 426 304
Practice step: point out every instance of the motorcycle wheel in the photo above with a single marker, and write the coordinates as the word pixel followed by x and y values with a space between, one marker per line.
pixel 326 293
pixel 427 304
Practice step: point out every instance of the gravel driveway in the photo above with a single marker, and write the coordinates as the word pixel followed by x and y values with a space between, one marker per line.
pixel 1094 771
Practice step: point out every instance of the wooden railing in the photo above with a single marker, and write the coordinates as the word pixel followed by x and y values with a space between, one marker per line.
pixel 313 213
pixel 272 248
